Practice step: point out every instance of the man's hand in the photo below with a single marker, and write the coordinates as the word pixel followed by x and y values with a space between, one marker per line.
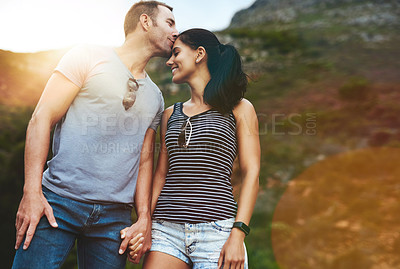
pixel 30 211
pixel 138 236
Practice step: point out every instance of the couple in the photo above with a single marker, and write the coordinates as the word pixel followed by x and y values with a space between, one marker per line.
pixel 106 110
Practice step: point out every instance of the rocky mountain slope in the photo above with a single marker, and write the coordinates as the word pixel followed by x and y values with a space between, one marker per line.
pixel 345 12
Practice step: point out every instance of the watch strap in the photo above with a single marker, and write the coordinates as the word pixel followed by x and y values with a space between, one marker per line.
pixel 241 226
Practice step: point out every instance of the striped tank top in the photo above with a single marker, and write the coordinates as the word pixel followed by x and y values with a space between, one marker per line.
pixel 198 184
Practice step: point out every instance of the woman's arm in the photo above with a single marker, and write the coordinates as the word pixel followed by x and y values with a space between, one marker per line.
pixel 135 244
pixel 162 163
pixel 249 160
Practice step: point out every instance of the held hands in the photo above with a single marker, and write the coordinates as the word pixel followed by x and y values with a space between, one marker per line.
pixel 137 239
pixel 233 253
pixel 31 208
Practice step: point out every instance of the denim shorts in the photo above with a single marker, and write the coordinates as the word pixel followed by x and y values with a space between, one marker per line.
pixel 198 245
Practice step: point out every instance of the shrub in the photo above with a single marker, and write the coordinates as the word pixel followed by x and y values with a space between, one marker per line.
pixel 355 89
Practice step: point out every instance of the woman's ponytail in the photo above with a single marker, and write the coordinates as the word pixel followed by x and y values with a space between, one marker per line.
pixel 228 81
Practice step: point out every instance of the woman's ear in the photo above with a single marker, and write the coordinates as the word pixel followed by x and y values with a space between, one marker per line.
pixel 201 54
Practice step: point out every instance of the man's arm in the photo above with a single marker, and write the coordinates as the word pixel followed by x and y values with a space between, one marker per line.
pixel 142 227
pixel 53 104
pixel 144 183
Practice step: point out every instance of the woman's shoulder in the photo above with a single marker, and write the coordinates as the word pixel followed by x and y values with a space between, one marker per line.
pixel 244 107
pixel 246 118
pixel 168 111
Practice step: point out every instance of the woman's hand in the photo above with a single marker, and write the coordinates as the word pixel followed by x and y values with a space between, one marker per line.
pixel 233 253
pixel 137 236
pixel 134 246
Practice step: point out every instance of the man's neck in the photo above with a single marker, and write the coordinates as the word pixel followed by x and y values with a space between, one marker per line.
pixel 135 54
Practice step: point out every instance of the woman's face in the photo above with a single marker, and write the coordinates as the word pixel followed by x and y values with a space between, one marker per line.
pixel 182 62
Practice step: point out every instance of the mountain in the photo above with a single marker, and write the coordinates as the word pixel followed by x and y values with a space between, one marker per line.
pixel 338 58
pixel 321 25
pixel 345 12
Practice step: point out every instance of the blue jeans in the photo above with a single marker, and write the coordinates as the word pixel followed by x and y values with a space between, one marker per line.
pixel 199 245
pixel 96 227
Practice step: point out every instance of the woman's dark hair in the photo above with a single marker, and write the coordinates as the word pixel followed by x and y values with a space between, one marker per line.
pixel 228 81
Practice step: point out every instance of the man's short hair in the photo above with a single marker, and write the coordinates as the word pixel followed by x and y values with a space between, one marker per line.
pixel 143 7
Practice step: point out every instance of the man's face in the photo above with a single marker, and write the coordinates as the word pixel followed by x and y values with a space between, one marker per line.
pixel 163 32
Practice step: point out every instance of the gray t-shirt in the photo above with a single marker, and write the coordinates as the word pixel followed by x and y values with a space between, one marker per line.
pixel 97 144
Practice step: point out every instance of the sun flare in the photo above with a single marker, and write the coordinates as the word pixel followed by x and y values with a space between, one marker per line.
pixel 58 24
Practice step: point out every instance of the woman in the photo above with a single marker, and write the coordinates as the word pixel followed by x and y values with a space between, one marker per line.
pixel 192 200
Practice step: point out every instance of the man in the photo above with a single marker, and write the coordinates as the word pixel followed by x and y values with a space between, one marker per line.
pixel 105 110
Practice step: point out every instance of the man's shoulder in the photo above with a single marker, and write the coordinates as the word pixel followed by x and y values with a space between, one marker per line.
pixel 153 84
pixel 90 50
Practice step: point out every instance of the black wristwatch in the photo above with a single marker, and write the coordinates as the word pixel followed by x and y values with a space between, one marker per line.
pixel 241 226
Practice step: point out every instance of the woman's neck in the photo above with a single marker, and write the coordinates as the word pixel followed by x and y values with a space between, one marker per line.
pixel 197 85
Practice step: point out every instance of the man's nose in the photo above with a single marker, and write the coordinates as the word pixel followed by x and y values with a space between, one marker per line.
pixel 175 34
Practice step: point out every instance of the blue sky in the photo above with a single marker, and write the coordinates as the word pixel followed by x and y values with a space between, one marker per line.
pixel 35 25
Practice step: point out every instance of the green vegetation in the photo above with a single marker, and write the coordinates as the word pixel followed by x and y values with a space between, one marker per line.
pixel 283 41
pixel 355 89
pixel 13 122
